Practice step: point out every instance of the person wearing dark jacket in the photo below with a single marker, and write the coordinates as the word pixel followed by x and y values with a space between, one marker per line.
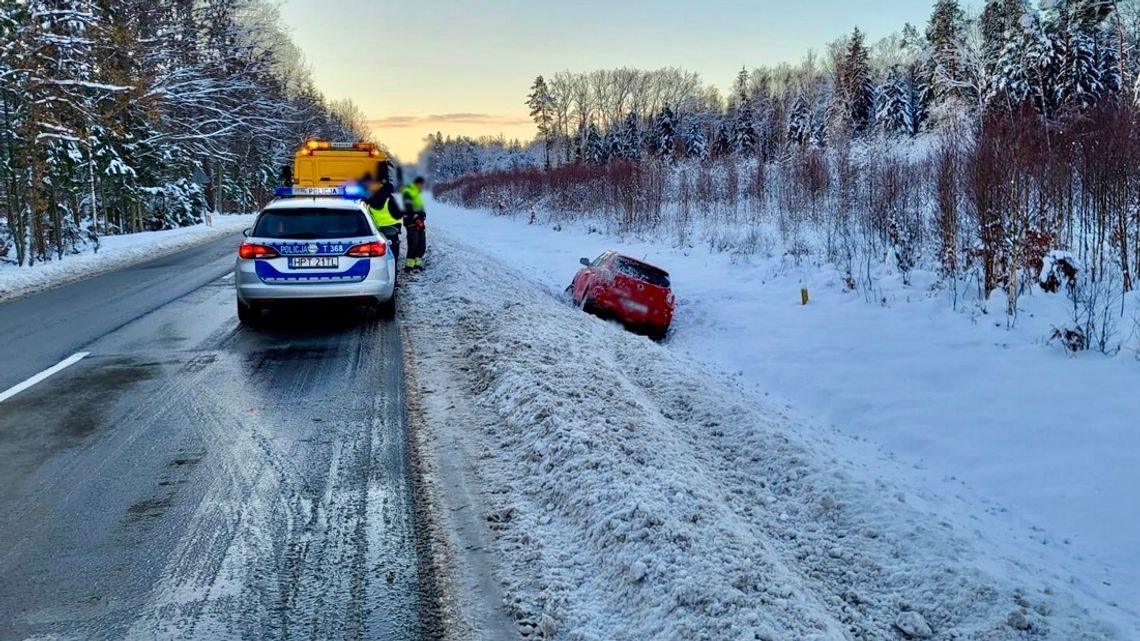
pixel 415 220
pixel 385 212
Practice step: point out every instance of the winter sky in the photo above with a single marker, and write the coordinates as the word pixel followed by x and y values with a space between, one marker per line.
pixel 464 66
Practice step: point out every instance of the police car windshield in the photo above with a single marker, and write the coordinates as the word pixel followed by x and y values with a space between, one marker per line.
pixel 312 223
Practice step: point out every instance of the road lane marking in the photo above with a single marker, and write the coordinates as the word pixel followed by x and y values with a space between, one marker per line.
pixel 39 378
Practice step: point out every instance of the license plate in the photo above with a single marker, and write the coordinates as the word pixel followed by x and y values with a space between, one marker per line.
pixel 313 262
pixel 634 306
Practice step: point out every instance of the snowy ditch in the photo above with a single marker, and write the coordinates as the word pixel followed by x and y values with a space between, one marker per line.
pixel 629 494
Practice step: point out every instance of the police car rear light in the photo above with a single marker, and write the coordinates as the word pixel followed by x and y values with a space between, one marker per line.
pixel 250 251
pixel 367 250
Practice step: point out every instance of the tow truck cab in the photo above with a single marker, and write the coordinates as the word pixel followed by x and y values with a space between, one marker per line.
pixel 320 163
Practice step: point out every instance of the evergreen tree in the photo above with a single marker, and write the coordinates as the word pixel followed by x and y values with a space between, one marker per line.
pixel 663 134
pixel 1024 71
pixel 695 141
pixel 855 82
pixel 596 148
pixel 746 137
pixel 724 142
pixel 799 121
pixel 541 105
pixel 945 37
pixel 739 89
pixel 999 20
pixel 1085 59
pixel 894 112
pixel 630 138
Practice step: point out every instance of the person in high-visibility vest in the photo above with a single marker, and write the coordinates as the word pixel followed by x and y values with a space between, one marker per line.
pixel 415 220
pixel 385 211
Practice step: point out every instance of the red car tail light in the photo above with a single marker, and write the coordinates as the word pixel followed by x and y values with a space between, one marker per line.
pixel 367 250
pixel 250 251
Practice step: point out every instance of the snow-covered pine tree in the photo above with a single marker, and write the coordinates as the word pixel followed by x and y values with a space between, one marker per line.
pixel 855 82
pixel 1085 55
pixel 799 121
pixel 894 113
pixel 663 133
pixel 945 36
pixel 1025 64
pixel 723 142
pixel 918 95
pixel 997 23
pixel 695 141
pixel 596 149
pixel 630 137
pixel 746 138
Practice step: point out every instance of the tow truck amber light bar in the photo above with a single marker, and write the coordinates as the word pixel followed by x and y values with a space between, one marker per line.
pixel 324 145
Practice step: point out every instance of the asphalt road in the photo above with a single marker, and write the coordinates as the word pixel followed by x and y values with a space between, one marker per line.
pixel 192 479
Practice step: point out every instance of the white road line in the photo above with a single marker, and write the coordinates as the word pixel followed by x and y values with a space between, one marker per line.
pixel 229 276
pixel 38 378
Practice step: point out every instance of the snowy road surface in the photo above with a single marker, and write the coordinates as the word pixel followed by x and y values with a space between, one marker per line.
pixel 190 479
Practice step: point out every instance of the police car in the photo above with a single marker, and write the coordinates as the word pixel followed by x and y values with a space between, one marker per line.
pixel 314 244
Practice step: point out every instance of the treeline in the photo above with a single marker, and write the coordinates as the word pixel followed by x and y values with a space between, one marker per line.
pixel 129 115
pixel 1060 59
pixel 987 148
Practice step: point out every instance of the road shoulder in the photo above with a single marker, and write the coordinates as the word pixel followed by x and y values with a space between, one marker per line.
pixel 451 508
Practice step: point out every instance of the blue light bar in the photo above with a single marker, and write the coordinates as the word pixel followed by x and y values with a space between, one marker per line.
pixel 350 191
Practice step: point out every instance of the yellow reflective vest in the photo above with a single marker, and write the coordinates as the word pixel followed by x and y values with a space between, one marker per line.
pixel 382 217
pixel 413 199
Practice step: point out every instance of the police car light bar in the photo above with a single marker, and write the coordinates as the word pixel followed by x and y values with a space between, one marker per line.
pixel 350 191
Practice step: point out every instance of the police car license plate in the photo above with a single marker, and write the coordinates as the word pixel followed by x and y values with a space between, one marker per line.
pixel 313 262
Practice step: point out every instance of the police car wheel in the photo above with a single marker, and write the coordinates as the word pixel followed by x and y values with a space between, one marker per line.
pixel 387 309
pixel 248 315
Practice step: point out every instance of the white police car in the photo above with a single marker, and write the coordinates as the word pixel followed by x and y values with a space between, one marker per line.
pixel 312 247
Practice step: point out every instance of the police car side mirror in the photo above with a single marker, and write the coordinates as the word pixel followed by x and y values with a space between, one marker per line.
pixel 584 261
pixel 247 231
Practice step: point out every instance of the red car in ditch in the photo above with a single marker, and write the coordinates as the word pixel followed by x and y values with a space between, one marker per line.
pixel 626 289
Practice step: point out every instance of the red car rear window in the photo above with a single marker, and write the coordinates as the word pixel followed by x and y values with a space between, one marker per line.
pixel 642 272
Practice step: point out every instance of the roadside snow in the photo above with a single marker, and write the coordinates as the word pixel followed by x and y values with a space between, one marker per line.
pixel 115 252
pixel 1030 455
pixel 634 494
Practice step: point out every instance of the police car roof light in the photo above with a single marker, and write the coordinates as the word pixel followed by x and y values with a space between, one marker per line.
pixel 351 191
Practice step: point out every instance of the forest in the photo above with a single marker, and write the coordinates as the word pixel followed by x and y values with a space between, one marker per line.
pixel 1001 149
pixel 133 115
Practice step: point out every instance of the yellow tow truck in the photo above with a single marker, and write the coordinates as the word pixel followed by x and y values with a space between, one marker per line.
pixel 320 163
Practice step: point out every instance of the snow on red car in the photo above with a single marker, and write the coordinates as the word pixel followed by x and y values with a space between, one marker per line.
pixel 626 289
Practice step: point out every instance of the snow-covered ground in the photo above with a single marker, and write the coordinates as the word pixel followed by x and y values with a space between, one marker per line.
pixel 115 252
pixel 1009 465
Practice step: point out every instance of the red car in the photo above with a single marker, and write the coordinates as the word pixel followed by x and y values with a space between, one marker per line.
pixel 629 290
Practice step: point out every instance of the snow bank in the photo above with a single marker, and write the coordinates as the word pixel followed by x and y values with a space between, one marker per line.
pixel 115 252
pixel 1030 451
pixel 635 495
